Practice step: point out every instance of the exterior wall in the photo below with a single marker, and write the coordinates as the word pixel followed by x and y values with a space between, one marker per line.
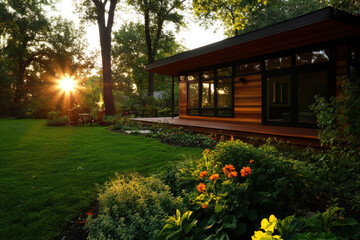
pixel 247 95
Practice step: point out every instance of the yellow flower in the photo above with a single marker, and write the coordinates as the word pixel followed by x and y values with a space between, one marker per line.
pixel 269 225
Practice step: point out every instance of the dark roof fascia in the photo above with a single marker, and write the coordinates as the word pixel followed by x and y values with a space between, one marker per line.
pixel 291 24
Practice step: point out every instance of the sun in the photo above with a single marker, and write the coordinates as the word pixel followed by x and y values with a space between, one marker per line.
pixel 67 84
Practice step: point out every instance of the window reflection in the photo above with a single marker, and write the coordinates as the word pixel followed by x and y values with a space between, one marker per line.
pixel 248 68
pixel 208 74
pixel 278 103
pixel 225 71
pixel 278 63
pixel 312 57
pixel 193 95
pixel 208 91
pixel 224 93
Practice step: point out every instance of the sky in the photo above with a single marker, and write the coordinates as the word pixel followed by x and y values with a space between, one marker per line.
pixel 193 36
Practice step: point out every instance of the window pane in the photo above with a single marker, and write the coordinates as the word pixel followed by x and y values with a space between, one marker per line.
pixel 208 74
pixel 312 57
pixel 182 78
pixel 207 94
pixel 248 68
pixel 207 112
pixel 225 71
pixel 194 112
pixel 310 84
pixel 224 93
pixel 278 63
pixel 193 95
pixel 224 113
pixel 193 76
pixel 278 102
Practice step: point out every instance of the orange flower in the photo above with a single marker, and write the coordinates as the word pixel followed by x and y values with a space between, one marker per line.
pixel 201 187
pixel 228 169
pixel 214 177
pixel 204 206
pixel 252 161
pixel 232 174
pixel 232 138
pixel 203 174
pixel 245 171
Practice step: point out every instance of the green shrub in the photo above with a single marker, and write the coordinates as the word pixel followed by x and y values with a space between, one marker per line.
pixel 109 119
pixel 52 115
pixel 58 121
pixel 165 112
pixel 181 137
pixel 132 207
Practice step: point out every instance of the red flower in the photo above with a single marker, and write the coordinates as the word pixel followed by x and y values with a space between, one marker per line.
pixel 245 171
pixel 89 213
pixel 203 174
pixel 214 177
pixel 201 187
pixel 204 206
pixel 252 161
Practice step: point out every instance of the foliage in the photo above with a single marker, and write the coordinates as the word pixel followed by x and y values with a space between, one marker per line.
pixel 233 14
pixel 156 15
pixel 181 137
pixel 35 52
pixel 178 227
pixel 276 11
pixel 327 225
pixel 237 183
pixel 132 207
pixel 338 118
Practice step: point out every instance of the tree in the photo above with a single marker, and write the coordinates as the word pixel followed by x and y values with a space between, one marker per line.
pixel 24 28
pixel 130 56
pixel 103 11
pixel 232 13
pixel 156 13
pixel 280 10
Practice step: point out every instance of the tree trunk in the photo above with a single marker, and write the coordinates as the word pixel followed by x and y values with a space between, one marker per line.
pixel 107 83
pixel 105 42
pixel 150 51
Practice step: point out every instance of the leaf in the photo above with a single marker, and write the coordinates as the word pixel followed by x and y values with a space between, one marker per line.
pixel 241 229
pixel 230 222
pixel 218 208
pixel 252 215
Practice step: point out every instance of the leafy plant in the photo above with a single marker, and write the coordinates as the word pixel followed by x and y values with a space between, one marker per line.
pixel 178 227
pixel 327 225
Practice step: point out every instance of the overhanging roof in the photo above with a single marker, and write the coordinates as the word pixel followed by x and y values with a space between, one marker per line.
pixel 316 27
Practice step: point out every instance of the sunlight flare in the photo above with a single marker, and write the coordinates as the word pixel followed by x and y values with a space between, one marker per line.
pixel 67 84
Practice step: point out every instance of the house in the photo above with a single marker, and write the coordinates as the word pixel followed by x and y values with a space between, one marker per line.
pixel 267 79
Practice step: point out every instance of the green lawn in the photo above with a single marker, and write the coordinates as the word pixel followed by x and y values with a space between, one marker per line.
pixel 48 174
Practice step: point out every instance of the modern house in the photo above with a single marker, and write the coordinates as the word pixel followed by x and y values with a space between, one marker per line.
pixel 263 82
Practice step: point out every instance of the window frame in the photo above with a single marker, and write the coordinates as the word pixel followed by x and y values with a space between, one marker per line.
pixel 294 70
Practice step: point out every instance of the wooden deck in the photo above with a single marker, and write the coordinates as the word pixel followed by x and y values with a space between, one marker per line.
pixel 299 136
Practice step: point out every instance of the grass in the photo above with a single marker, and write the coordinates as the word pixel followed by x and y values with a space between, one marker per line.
pixel 48 174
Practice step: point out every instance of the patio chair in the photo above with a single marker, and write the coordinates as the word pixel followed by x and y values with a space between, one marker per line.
pixel 99 118
pixel 73 115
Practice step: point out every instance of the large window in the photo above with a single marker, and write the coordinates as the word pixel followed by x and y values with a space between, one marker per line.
pixel 210 92
pixel 292 82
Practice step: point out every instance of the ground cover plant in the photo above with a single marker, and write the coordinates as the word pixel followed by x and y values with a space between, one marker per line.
pixel 48 174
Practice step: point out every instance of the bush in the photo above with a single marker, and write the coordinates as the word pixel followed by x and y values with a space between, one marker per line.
pixel 181 137
pixel 237 184
pixel 165 112
pixel 132 207
pixel 59 121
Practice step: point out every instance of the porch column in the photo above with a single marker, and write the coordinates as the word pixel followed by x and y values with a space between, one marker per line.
pixel 172 96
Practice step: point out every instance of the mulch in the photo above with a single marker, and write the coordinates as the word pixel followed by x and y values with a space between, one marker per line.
pixel 76 229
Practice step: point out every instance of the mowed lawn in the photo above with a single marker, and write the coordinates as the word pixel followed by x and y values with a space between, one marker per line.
pixel 48 174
